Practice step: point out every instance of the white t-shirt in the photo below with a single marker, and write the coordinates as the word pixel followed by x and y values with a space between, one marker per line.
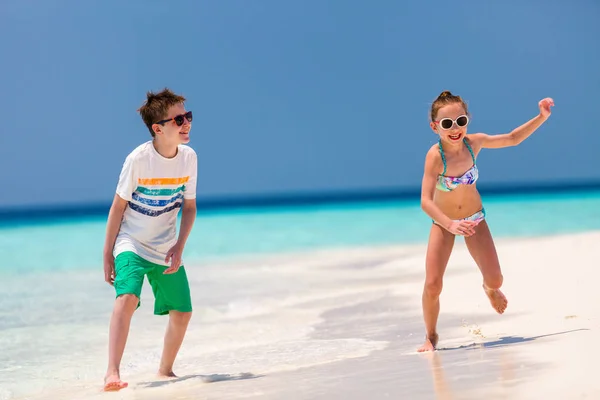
pixel 154 187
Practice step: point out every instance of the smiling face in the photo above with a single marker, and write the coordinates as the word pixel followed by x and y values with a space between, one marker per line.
pixel 451 122
pixel 163 114
pixel 171 133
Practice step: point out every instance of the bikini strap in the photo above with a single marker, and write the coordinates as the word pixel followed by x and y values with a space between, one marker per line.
pixel 470 149
pixel 443 157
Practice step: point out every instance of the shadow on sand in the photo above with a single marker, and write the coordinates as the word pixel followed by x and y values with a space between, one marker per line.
pixel 504 371
pixel 204 378
pixel 506 341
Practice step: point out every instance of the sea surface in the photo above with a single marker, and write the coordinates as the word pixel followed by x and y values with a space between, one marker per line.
pixel 77 243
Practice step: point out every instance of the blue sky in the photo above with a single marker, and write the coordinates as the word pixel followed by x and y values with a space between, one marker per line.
pixel 312 95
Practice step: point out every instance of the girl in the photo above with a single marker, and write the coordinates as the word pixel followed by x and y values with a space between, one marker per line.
pixel 449 196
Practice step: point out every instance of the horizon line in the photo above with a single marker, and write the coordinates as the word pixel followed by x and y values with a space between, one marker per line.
pixel 284 199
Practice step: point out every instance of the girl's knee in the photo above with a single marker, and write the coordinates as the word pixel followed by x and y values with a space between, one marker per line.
pixel 433 287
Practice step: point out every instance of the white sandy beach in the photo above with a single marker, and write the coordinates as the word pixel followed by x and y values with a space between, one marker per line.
pixel 336 324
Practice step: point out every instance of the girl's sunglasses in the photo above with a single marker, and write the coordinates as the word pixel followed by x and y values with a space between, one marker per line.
pixel 178 119
pixel 447 123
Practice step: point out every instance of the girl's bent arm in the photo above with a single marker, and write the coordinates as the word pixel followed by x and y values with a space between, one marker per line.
pixel 428 190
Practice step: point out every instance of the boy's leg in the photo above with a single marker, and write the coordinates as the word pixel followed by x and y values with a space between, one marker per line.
pixel 120 321
pixel 172 296
pixel 178 323
pixel 128 286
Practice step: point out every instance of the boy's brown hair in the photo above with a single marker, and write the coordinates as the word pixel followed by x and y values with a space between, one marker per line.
pixel 157 105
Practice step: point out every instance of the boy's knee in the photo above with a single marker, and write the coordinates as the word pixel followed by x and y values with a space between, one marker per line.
pixel 127 302
pixel 180 318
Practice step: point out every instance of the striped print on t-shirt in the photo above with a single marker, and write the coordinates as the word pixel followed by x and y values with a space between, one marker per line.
pixel 151 192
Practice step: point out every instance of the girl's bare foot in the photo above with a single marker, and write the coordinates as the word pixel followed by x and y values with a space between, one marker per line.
pixel 167 374
pixel 430 342
pixel 113 383
pixel 497 299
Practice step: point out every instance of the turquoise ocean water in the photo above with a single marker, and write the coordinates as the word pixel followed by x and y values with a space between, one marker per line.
pixel 77 243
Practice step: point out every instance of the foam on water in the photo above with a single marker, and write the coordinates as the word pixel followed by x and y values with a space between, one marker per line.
pixel 259 321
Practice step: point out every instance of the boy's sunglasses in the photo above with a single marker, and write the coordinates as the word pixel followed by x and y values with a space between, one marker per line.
pixel 178 119
pixel 446 123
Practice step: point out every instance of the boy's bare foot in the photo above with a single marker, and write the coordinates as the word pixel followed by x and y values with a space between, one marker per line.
pixel 430 342
pixel 113 383
pixel 497 299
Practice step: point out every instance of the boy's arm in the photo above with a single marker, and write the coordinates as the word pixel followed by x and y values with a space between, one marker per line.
pixel 188 217
pixel 175 253
pixel 125 187
pixel 188 212
pixel 115 215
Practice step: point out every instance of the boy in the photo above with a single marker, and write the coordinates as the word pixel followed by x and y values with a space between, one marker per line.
pixel 157 179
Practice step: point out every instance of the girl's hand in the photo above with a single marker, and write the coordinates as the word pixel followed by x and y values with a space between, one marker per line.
pixel 545 105
pixel 463 228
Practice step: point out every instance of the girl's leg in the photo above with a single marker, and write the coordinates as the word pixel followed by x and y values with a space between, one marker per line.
pixel 482 249
pixel 439 249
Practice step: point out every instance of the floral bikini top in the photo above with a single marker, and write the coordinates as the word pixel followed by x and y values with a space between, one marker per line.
pixel 449 183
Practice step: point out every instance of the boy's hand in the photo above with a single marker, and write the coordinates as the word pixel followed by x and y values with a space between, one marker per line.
pixel 109 269
pixel 174 255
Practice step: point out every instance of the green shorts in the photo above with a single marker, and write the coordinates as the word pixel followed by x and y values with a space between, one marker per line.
pixel 171 291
